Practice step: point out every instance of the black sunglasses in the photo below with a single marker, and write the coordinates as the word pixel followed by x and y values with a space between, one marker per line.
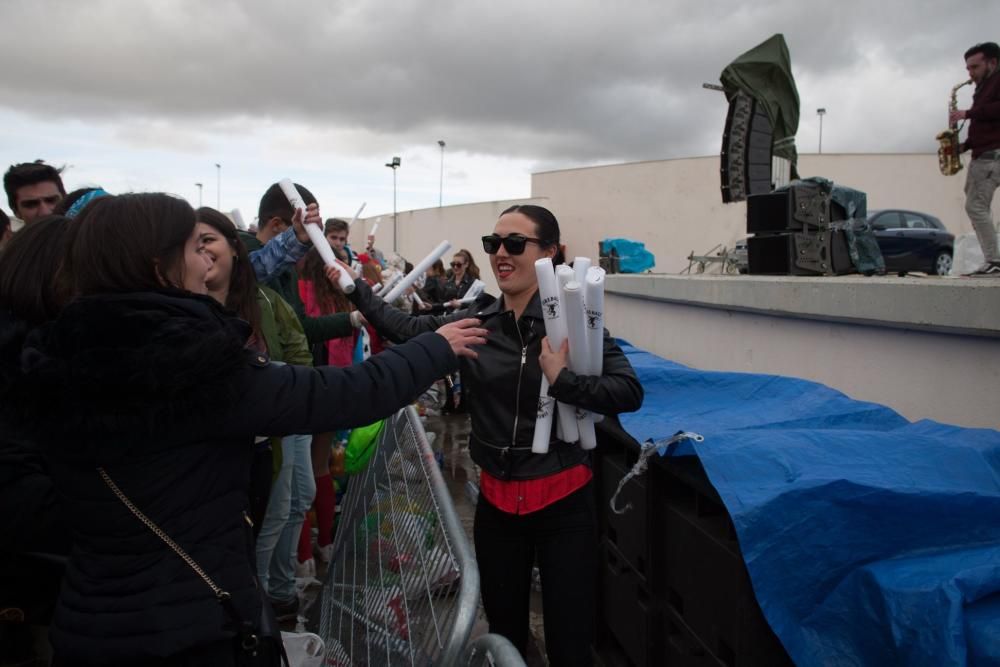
pixel 513 243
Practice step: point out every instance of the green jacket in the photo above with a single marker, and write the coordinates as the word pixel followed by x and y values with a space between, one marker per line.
pixel 283 333
pixel 286 283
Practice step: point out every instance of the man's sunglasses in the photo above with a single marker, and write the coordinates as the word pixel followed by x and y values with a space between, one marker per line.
pixel 513 243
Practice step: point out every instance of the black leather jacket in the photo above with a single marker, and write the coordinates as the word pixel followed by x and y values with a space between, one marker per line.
pixel 502 386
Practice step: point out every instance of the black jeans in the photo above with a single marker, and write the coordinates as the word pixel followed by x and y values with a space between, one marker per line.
pixel 563 537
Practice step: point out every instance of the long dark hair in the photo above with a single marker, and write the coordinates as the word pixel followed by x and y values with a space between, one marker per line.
pixel 34 278
pixel 470 264
pixel 329 296
pixel 546 227
pixel 242 295
pixel 130 243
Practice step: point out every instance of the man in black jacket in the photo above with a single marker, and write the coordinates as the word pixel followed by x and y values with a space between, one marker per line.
pixel 983 140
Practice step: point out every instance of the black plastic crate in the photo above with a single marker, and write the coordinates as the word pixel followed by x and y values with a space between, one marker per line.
pixel 627 613
pixel 700 576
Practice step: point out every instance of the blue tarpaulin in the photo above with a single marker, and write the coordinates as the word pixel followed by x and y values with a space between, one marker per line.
pixel 632 255
pixel 869 540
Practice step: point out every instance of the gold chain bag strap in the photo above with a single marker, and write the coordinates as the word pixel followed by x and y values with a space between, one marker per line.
pixel 249 641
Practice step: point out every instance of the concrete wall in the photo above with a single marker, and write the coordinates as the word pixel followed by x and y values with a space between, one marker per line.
pixel 675 206
pixel 927 358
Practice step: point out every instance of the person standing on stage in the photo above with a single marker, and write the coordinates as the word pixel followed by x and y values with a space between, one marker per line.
pixel 984 142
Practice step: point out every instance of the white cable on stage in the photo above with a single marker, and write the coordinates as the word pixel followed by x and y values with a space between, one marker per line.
pixel 419 270
pixel 238 219
pixel 555 330
pixel 593 300
pixel 579 357
pixel 316 235
pixel 355 218
pixel 475 289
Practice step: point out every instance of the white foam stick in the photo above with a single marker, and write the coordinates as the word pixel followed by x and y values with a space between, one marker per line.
pixel 396 277
pixel 475 289
pixel 579 359
pixel 543 420
pixel 238 218
pixel 555 329
pixel 316 234
pixel 417 300
pixel 593 299
pixel 374 228
pixel 355 218
pixel 580 266
pixel 419 270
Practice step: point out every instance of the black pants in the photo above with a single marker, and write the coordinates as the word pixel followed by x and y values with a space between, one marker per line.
pixel 563 537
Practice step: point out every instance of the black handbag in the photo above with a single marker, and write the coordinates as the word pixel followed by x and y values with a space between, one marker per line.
pixel 256 644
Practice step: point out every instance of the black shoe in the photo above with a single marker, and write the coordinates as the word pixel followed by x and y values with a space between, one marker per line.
pixel 988 269
pixel 285 610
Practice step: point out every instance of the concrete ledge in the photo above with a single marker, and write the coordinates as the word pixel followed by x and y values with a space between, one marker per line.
pixel 966 306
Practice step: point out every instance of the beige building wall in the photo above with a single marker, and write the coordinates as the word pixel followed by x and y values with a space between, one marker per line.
pixel 675 206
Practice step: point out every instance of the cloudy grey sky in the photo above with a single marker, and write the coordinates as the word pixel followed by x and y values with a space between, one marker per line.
pixel 151 94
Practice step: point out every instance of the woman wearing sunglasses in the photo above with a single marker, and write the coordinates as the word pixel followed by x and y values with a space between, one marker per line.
pixel 464 272
pixel 532 506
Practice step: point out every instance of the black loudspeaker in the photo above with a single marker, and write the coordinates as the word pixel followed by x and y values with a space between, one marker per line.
pixel 746 150
pixel 802 205
pixel 800 254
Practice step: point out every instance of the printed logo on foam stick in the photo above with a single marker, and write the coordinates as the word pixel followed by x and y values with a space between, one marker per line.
pixel 316 235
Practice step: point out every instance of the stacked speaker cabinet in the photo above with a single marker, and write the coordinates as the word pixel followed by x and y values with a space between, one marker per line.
pixel 795 233
pixel 746 150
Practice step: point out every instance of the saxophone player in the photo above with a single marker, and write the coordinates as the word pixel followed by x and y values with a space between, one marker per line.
pixel 983 140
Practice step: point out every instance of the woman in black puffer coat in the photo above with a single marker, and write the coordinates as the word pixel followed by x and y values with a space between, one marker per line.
pixel 143 377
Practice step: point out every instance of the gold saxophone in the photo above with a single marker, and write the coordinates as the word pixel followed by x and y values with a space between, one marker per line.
pixel 949 149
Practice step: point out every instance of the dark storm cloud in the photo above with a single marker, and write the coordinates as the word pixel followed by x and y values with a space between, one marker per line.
pixel 560 81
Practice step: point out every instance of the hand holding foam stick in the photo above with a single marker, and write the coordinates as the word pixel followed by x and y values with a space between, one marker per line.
pixel 475 289
pixel 315 233
pixel 419 270
pixel 555 329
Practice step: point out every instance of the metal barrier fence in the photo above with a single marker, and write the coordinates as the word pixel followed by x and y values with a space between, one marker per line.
pixel 403 586
pixel 491 651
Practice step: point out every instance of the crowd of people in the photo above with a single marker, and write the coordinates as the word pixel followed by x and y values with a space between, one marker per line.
pixel 172 390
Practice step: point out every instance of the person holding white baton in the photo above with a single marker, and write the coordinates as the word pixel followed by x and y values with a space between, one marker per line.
pixel 532 506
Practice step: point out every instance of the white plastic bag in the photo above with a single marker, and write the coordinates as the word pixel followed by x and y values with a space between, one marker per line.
pixel 304 649
pixel 967 256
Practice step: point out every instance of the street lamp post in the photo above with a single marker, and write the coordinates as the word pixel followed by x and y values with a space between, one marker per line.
pixel 199 186
pixel 394 165
pixel 218 186
pixel 441 186
pixel 821 112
